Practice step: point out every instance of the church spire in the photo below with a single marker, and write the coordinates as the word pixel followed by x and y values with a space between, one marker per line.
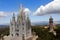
pixel 13 18
pixel 21 12
pixel 21 8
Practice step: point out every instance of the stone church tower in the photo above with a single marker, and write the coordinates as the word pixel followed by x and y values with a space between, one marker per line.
pixel 20 29
pixel 51 26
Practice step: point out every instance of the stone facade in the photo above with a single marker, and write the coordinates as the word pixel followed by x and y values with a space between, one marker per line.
pixel 20 29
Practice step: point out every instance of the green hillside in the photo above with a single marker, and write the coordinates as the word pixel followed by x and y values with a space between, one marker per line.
pixel 43 34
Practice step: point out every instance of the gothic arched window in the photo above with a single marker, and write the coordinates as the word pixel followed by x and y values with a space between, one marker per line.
pixel 17 34
pixel 12 34
pixel 23 23
pixel 17 30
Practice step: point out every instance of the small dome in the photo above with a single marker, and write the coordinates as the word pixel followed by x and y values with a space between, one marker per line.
pixel 50 18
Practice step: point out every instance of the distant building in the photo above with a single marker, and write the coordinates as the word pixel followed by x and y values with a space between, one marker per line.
pixel 51 26
pixel 46 27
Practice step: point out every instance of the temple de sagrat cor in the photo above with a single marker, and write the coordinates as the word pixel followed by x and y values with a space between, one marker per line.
pixel 20 29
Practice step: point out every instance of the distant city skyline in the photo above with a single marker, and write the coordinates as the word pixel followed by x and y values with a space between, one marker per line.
pixel 7 7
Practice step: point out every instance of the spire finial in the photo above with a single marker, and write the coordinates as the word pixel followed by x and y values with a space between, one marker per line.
pixel 20 6
pixel 50 16
pixel 13 15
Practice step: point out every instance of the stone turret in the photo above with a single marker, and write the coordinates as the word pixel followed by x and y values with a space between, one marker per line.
pixel 12 24
pixel 51 26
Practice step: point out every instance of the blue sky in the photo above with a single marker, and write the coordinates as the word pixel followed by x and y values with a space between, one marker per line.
pixel 14 6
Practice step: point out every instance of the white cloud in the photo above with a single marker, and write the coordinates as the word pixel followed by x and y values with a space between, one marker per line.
pixel 52 7
pixel 26 11
pixel 6 14
pixel 2 14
